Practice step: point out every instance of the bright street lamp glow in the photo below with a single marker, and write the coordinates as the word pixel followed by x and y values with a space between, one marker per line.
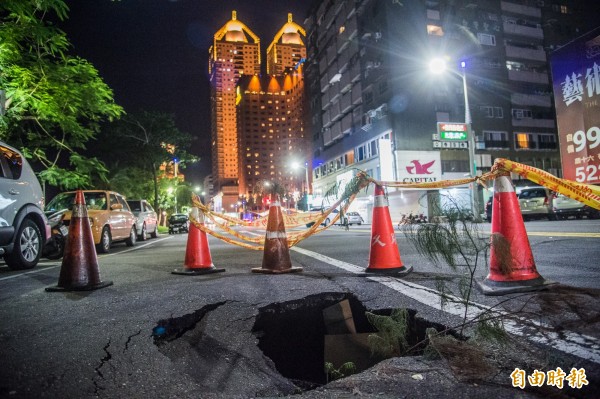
pixel 437 65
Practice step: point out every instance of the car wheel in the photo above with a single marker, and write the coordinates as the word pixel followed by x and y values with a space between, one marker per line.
pixel 130 242
pixel 359 223
pixel 327 221
pixel 105 241
pixel 27 249
pixel 154 234
pixel 144 233
pixel 552 216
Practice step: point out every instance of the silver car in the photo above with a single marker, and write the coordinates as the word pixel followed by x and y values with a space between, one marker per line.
pixel 24 228
pixel 536 202
pixel 564 207
pixel 147 220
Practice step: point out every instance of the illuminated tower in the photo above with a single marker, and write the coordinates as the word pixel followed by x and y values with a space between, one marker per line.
pixel 235 52
pixel 272 136
pixel 286 49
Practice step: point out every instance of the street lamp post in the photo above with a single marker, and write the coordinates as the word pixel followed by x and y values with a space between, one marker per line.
pixel 438 66
pixel 296 165
pixel 471 146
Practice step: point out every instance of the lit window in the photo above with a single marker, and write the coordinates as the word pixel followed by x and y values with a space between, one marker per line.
pixel 435 30
pixel 342 29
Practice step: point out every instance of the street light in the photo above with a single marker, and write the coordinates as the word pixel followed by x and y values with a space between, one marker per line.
pixel 438 66
pixel 297 165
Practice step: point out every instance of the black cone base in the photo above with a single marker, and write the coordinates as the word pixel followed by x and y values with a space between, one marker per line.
pixel 90 287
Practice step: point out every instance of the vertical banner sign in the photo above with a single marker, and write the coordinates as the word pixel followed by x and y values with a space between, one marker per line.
pixel 386 160
pixel 576 83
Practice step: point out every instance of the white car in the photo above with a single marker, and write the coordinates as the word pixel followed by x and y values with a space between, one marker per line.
pixel 24 228
pixel 147 219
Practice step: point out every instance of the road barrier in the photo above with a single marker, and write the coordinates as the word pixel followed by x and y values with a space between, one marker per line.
pixel 79 270
pixel 197 252
pixel 276 253
pixel 384 256
pixel 512 267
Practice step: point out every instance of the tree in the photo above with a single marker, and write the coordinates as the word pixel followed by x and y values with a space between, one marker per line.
pixel 52 102
pixel 145 141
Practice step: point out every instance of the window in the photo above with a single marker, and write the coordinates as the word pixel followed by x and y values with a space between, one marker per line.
pixel 435 30
pixel 518 113
pixel 486 39
pixel 495 139
pixel 492 112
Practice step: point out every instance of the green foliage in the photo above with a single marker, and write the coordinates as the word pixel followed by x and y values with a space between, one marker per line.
pixel 54 101
pixel 390 338
pixel 456 243
pixel 143 142
pixel 345 370
pixel 491 329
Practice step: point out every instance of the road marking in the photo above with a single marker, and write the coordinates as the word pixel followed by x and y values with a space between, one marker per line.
pixel 53 266
pixel 580 345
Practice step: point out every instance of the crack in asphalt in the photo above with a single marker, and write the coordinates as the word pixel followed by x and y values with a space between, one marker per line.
pixel 129 340
pixel 170 329
pixel 103 361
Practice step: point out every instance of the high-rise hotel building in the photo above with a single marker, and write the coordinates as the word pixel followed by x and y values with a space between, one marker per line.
pixel 257 120
pixel 234 53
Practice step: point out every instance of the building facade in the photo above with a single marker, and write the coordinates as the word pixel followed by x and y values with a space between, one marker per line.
pixel 257 120
pixel 374 104
pixel 234 53
pixel 270 122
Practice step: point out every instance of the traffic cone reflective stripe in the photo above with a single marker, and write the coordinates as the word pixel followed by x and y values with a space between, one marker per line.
pixel 276 254
pixel 512 267
pixel 384 256
pixel 197 252
pixel 79 268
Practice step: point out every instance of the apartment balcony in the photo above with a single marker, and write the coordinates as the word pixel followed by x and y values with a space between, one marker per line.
pixel 522 30
pixel 525 53
pixel 325 100
pixel 547 146
pixel 528 76
pixel 356 93
pixel 336 131
pixel 521 9
pixel 535 100
pixel 327 118
pixel 530 122
pixel 497 144
pixel 347 123
pixel 355 72
pixel 346 102
pixel 336 112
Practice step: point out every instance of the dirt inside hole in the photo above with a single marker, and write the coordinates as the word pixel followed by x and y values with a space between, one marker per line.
pixel 297 338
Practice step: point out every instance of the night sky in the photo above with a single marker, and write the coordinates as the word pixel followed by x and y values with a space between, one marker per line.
pixel 154 53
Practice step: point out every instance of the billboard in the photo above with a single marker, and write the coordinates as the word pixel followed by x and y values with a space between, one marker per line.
pixel 419 166
pixel 576 83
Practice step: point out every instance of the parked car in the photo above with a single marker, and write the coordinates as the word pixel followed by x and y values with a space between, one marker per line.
pixel 24 228
pixel 536 202
pixel 354 218
pixel 147 219
pixel 564 207
pixel 109 215
pixel 178 223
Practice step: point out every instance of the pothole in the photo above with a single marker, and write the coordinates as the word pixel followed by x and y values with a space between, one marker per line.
pixel 301 336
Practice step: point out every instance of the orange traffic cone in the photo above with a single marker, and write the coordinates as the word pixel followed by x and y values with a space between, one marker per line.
pixel 276 254
pixel 79 269
pixel 512 268
pixel 384 256
pixel 197 253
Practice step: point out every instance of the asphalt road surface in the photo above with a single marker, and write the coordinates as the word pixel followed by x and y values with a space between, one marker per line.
pixel 154 334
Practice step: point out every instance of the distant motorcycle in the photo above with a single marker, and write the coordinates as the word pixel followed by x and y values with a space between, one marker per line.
pixel 411 219
pixel 55 247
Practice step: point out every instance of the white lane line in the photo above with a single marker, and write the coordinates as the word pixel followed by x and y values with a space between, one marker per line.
pixel 53 266
pixel 583 346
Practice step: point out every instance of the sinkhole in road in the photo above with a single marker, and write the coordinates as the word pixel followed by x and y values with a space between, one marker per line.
pixel 301 336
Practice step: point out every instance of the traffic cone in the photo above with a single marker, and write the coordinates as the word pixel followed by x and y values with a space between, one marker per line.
pixel 197 253
pixel 79 269
pixel 276 254
pixel 384 256
pixel 512 268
